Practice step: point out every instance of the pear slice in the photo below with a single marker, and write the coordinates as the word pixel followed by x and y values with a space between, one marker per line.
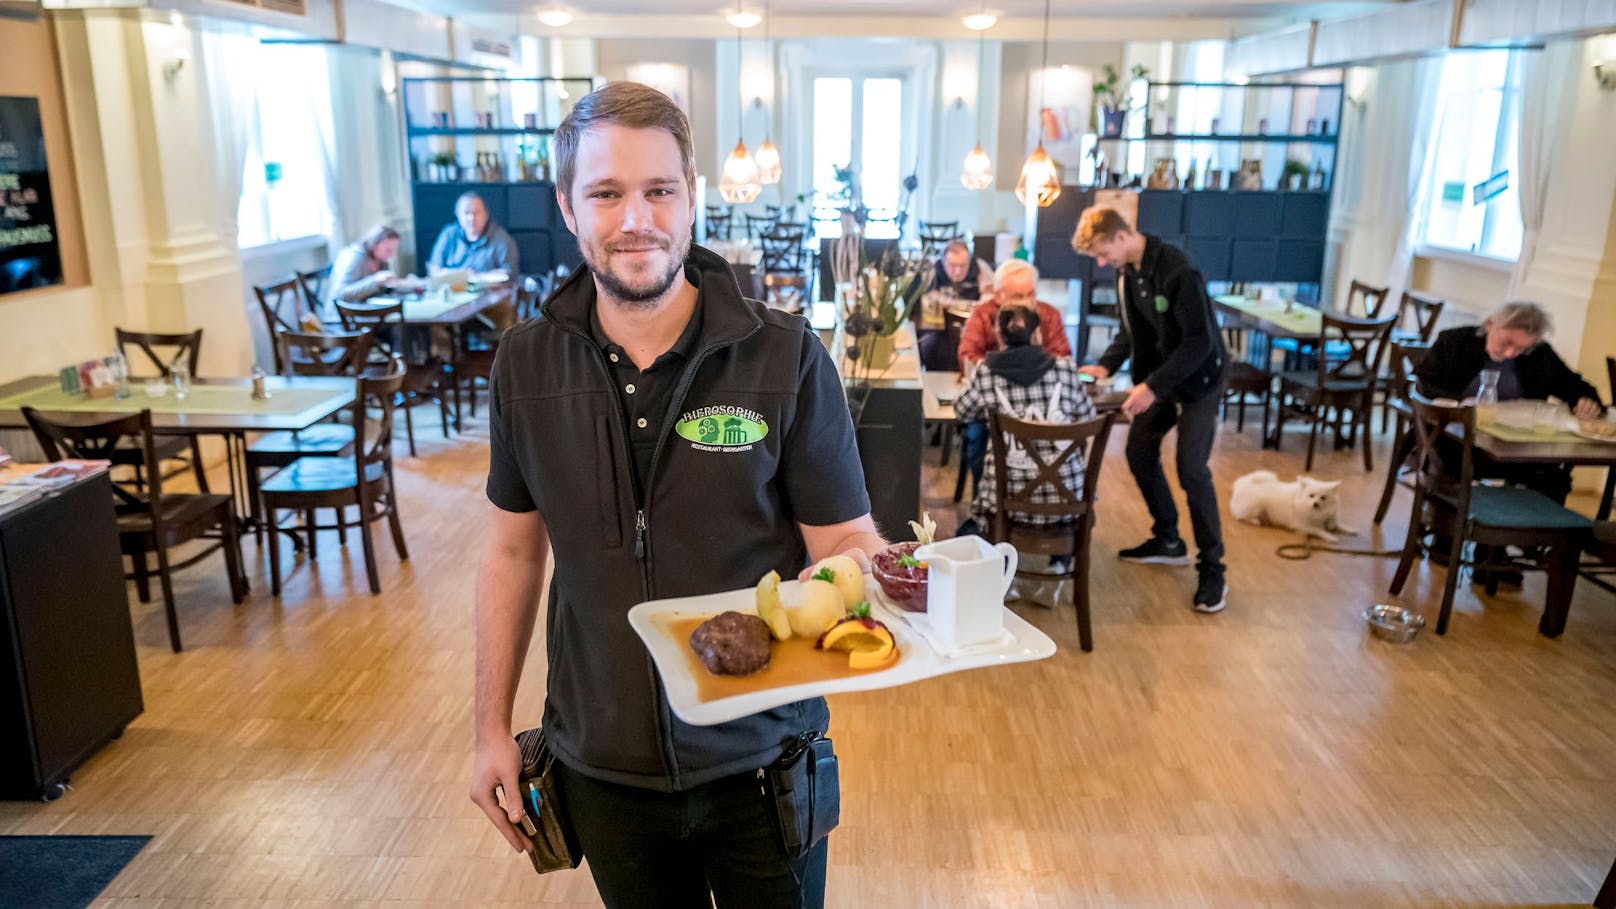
pixel 769 608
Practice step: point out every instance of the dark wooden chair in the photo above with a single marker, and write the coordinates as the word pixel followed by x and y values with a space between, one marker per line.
pixel 477 361
pixel 324 353
pixel 162 351
pixel 1606 898
pixel 1492 516
pixel 1610 473
pixel 718 222
pixel 1367 297
pixel 935 237
pixel 425 382
pixel 1404 357
pixel 1048 496
pixel 785 266
pixel 1337 386
pixel 150 522
pixel 757 226
pixel 364 481
pixel 954 326
pixel 285 306
pixel 314 286
pixel 1417 315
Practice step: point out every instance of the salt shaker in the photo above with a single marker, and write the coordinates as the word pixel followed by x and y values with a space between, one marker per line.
pixel 259 392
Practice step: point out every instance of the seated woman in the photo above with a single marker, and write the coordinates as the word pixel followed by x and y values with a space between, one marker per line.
pixel 1025 381
pixel 363 269
pixel 1510 341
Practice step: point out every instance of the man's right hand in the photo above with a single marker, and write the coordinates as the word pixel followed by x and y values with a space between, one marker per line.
pixel 498 767
pixel 1097 371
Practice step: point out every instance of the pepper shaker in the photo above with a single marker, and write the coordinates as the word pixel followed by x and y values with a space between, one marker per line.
pixel 259 392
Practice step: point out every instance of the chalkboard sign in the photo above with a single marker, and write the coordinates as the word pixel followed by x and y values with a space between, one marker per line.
pixel 29 253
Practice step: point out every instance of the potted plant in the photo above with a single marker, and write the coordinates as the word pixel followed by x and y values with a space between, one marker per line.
pixel 444 168
pixel 1108 111
pixel 874 301
pixel 1293 174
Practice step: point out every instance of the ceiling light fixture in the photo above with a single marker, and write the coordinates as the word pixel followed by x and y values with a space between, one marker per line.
pixel 743 18
pixel 979 21
pixel 1040 180
pixel 977 173
pixel 738 182
pixel 768 157
pixel 555 17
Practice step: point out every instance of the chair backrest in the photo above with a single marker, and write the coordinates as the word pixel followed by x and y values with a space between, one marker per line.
pixel 756 226
pixel 530 291
pixel 381 320
pixel 102 441
pixel 1369 297
pixel 1420 313
pixel 1405 357
pixel 284 305
pixel 186 347
pixel 336 353
pixel 936 235
pixel 1046 494
pixel 1433 475
pixel 374 403
pixel 954 326
pixel 1365 343
pixel 313 284
pixel 717 226
pixel 783 250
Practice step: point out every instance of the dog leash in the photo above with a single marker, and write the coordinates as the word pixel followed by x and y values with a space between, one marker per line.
pixel 1297 552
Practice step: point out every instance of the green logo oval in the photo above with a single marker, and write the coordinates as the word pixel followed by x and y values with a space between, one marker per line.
pixel 722 426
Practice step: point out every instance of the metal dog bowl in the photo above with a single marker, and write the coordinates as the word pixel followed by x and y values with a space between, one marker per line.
pixel 1394 623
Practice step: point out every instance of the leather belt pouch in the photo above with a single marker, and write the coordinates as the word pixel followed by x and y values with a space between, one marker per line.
pixel 805 791
pixel 544 811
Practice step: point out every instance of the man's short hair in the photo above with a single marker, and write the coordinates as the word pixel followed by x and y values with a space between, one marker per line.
pixel 627 104
pixel 1014 267
pixel 469 195
pixel 1522 316
pixel 956 244
pixel 1097 225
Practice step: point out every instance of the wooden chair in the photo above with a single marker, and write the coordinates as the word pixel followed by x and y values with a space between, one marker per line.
pixel 935 237
pixel 1610 473
pixel 423 381
pixel 335 353
pixel 477 362
pixel 285 307
pixel 365 481
pixel 757 226
pixel 1046 495
pixel 785 266
pixel 953 326
pixel 1405 358
pixel 1606 897
pixel 314 286
pixel 180 347
pixel 151 522
pixel 1416 323
pixel 1493 516
pixel 1366 297
pixel 1338 385
pixel 718 222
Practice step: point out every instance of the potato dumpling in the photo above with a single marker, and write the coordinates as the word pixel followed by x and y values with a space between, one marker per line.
pixel 821 607
pixel 769 608
pixel 845 574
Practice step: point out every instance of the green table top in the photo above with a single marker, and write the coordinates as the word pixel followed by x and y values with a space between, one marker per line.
pixel 204 399
pixel 1301 320
pixel 1516 434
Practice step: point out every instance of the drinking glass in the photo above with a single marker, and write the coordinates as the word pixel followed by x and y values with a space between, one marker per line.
pixel 181 374
pixel 1546 418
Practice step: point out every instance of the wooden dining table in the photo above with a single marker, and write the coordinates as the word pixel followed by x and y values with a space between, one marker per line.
pixel 453 312
pixel 221 407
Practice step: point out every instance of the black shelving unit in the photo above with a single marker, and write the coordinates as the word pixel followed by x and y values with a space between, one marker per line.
pixel 497 132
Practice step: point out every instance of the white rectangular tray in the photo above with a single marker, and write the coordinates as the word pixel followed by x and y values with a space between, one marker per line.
pixel 919 658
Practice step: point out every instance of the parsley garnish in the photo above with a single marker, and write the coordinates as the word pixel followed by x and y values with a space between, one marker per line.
pixel 825 574
pixel 860 610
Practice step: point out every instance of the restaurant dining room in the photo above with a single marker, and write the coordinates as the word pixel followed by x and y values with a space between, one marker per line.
pixel 497 453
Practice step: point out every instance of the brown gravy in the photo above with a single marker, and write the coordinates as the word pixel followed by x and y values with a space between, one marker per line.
pixel 791 662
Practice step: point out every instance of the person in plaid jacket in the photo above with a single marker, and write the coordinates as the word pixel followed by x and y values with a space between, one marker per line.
pixel 1025 381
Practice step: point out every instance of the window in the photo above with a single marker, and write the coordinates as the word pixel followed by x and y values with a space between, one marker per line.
pixel 875 105
pixel 1471 201
pixel 284 192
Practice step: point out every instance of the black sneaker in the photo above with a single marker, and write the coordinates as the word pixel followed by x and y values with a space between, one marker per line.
pixel 1157 551
pixel 1211 594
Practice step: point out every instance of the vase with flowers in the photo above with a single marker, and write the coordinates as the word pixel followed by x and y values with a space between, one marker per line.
pixel 874 300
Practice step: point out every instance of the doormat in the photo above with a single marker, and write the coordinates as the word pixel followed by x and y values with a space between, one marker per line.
pixel 61 872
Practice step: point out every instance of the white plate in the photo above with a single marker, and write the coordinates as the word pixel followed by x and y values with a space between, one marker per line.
pixel 919 659
pixel 489 277
pixel 1577 431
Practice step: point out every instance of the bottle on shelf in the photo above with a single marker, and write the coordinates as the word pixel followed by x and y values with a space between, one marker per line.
pixel 1317 179
pixel 1190 178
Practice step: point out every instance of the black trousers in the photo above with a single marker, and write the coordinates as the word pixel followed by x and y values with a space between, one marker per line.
pixel 1197 423
pixel 657 849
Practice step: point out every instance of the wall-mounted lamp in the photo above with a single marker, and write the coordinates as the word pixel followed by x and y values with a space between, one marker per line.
pixel 1605 76
pixel 175 63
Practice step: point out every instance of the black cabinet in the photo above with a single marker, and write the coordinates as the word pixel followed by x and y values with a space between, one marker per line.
pixel 70 681
pixel 528 211
pixel 889 435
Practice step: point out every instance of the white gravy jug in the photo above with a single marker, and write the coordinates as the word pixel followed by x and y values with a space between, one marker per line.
pixel 967 580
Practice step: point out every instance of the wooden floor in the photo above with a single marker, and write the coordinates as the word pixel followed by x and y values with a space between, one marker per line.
pixel 316 750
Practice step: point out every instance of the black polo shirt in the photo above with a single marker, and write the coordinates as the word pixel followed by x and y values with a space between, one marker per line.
pixel 646 394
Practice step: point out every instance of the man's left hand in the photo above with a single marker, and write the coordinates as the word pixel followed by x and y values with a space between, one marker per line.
pixel 1587 409
pixel 1139 399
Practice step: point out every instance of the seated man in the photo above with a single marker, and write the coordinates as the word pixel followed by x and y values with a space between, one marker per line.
pixel 473 242
pixel 1511 342
pixel 958 274
pixel 957 281
pixel 363 269
pixel 1017 282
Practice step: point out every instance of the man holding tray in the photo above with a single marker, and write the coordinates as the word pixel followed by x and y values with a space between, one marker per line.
pixel 598 451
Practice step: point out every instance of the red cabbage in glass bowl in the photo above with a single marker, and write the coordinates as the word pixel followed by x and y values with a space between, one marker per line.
pixel 903 585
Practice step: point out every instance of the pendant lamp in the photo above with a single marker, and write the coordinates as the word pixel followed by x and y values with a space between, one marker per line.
pixel 768 157
pixel 977 173
pixel 1040 179
pixel 738 182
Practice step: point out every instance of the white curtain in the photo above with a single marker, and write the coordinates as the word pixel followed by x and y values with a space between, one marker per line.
pixel 1424 113
pixel 320 109
pixel 1546 115
pixel 232 106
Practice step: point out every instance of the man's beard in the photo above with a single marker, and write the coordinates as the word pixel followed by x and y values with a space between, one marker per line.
pixel 633 296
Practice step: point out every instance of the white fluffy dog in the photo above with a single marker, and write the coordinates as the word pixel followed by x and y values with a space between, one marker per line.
pixel 1306 505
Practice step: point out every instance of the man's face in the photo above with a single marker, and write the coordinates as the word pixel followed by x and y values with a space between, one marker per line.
pixel 473 217
pixel 956 263
pixel 1018 290
pixel 1507 343
pixel 631 210
pixel 1110 252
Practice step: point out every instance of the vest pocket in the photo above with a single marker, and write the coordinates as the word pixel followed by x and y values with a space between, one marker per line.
pixel 611 525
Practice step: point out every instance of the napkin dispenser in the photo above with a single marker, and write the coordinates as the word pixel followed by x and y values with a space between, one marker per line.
pixel 967 580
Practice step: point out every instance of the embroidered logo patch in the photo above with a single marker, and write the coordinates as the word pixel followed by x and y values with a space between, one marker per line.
pixel 722 427
pixel 1161 303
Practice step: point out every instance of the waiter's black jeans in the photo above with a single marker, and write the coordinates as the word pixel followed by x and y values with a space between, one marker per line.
pixel 1197 423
